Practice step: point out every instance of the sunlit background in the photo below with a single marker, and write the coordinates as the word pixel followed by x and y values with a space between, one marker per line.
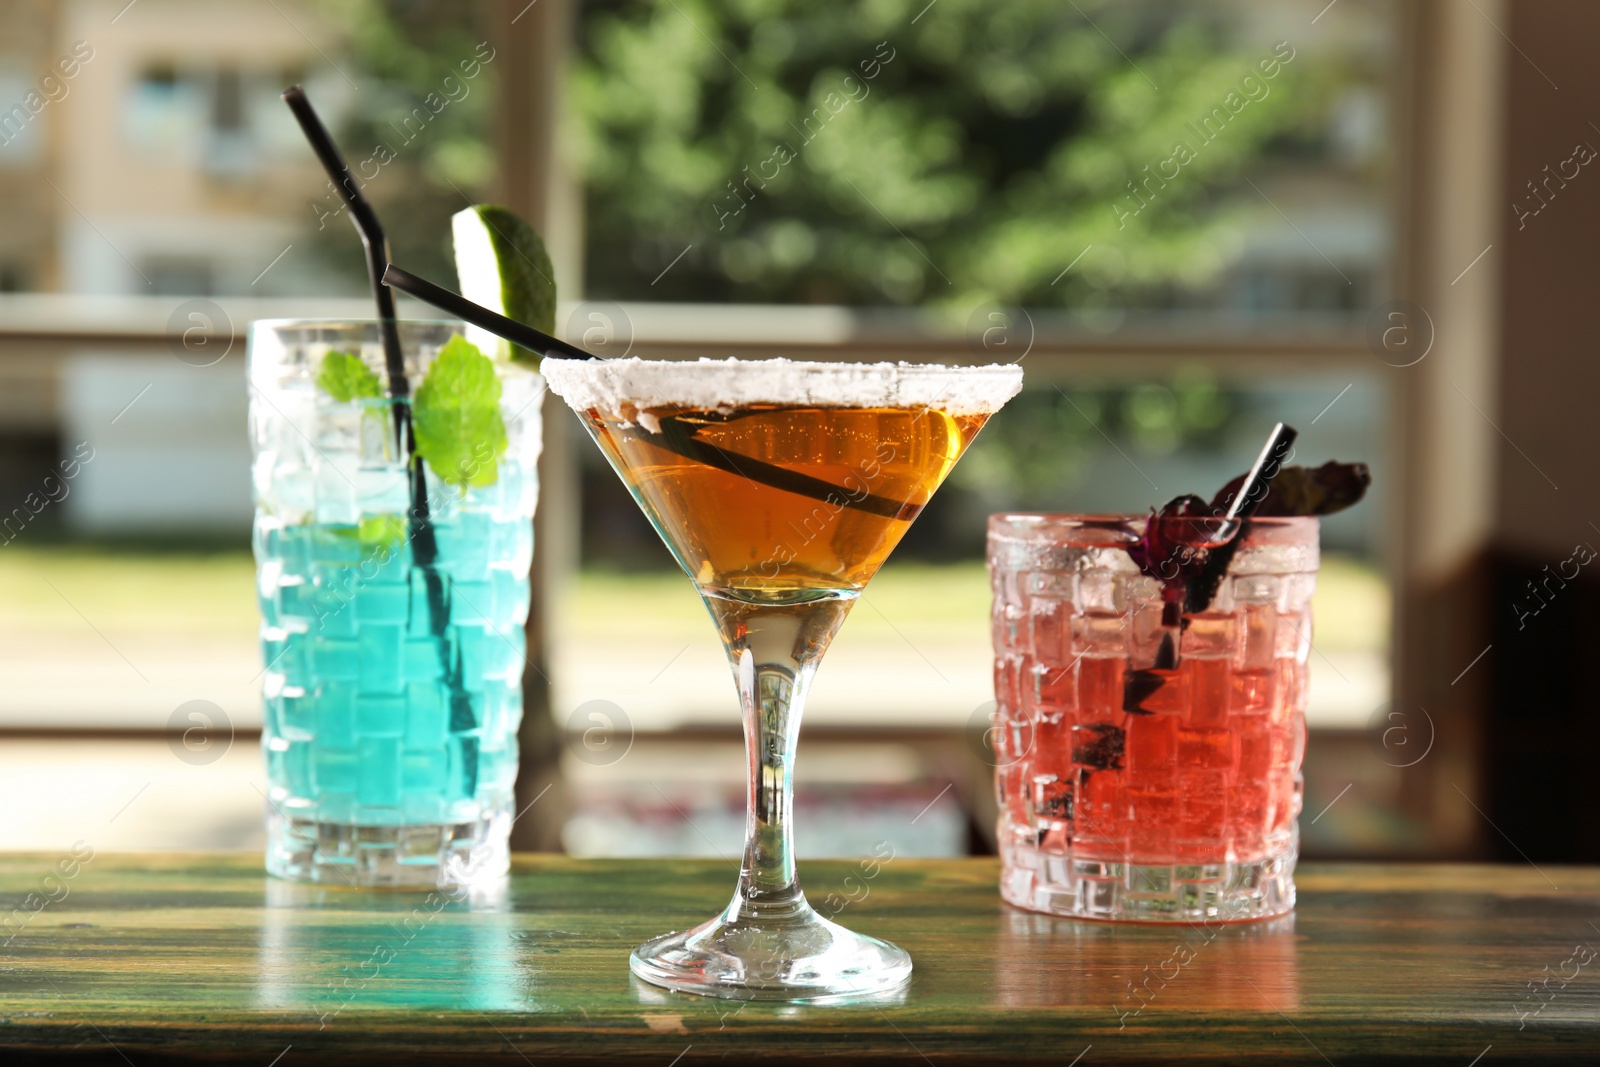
pixel 960 179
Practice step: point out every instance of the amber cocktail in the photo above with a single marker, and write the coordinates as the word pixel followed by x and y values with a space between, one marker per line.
pixel 780 488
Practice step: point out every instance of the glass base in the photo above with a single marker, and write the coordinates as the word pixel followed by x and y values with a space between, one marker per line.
pixel 1059 884
pixel 402 857
pixel 800 957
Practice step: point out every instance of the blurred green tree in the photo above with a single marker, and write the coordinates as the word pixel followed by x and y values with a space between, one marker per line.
pixel 1050 435
pixel 421 126
pixel 893 151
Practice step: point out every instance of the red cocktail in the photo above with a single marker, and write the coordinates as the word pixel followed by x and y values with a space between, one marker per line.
pixel 1148 753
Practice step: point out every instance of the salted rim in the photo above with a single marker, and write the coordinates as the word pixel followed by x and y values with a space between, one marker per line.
pixel 707 384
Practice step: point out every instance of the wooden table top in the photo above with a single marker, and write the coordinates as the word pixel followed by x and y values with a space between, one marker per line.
pixel 189 958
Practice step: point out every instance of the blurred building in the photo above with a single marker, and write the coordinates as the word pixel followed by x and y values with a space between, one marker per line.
pixel 145 158
pixel 143 151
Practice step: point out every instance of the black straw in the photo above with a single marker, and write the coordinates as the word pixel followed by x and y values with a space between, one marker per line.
pixel 518 333
pixel 1253 491
pixel 421 534
pixel 372 236
pixel 678 437
pixel 675 436
pixel 377 246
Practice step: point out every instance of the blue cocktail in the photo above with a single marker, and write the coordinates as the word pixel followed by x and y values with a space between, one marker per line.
pixel 392 635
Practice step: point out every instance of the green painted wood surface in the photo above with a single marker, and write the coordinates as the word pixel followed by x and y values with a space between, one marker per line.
pixel 154 959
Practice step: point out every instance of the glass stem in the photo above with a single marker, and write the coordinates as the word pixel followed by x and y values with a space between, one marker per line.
pixel 774 649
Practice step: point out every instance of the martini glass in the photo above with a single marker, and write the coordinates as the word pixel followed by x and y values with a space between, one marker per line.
pixel 780 487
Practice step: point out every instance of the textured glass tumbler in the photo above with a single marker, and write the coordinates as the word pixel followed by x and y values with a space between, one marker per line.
pixel 1148 771
pixel 393 644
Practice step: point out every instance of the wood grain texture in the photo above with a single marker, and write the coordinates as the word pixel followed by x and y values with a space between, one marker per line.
pixel 155 959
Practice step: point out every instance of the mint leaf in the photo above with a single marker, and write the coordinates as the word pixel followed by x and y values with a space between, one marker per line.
pixel 456 412
pixel 345 378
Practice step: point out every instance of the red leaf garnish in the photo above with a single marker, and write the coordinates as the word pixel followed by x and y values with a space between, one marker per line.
pixel 1177 539
pixel 1322 490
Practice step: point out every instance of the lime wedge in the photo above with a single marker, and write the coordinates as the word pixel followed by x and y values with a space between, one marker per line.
pixel 502 264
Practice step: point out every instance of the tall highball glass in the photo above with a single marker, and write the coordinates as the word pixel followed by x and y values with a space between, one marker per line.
pixel 392 641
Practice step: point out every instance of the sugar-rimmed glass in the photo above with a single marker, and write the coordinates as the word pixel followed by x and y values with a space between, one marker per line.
pixel 780 488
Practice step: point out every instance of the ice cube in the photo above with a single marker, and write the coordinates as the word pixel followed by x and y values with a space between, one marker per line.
pixel 512 544
pixel 388 602
pixel 334 769
pixel 1050 798
pixel 511 592
pixel 1154 691
pixel 1101 634
pixel 1258 622
pixel 1255 588
pixel 1050 620
pixel 335 702
pixel 471 602
pixel 1100 689
pixel 1055 689
pixel 376 447
pixel 1050 583
pixel 1294 635
pixel 1253 691
pixel 1209 635
pixel 1295 594
pixel 1102 592
pixel 424 771
pixel 1210 686
pixel 1151 643
pixel 1010 627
